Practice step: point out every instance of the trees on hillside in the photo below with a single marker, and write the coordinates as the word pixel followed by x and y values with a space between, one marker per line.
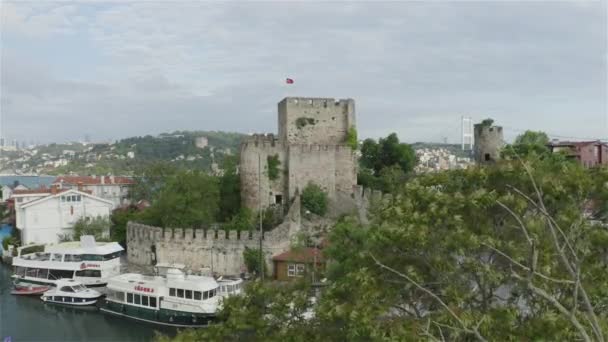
pixel 529 142
pixel 388 153
pixel 505 252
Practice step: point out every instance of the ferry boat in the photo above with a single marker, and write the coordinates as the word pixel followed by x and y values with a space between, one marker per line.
pixel 87 261
pixel 71 292
pixel 176 300
pixel 230 286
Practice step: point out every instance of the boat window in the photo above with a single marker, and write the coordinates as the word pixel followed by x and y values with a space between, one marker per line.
pixel 57 298
pixel 180 293
pixel 79 288
pixel 67 289
pixel 137 299
pixel 92 257
pixel 188 294
pixel 32 272
pixel 144 300
pixel 153 302
pixel 57 257
pixel 89 273
pixel 72 258
pixel 205 295
pixel 60 274
pixel 112 256
pixel 198 295
pixel 129 298
pixel 172 292
pixel 43 273
pixel 119 296
pixel 212 293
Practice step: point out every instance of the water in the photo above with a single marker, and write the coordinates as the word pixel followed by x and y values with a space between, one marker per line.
pixel 25 318
pixel 29 181
pixel 5 230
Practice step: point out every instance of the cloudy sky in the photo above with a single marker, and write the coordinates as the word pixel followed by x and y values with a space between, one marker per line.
pixel 117 69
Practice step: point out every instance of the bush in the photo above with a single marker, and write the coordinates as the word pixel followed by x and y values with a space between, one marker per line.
pixel 252 260
pixel 273 166
pixel 98 226
pixel 243 220
pixel 9 240
pixel 314 199
pixel 351 138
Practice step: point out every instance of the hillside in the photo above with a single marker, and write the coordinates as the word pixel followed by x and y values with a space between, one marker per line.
pixel 191 149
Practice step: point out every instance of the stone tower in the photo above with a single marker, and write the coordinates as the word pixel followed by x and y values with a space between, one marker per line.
pixel 488 143
pixel 310 148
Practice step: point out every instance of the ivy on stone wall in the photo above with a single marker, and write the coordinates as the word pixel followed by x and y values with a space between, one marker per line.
pixel 301 122
pixel 351 138
pixel 273 166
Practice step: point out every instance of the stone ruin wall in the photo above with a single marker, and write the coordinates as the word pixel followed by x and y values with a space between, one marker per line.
pixel 219 250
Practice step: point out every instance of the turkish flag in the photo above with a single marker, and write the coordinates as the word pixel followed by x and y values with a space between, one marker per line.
pixel 289 81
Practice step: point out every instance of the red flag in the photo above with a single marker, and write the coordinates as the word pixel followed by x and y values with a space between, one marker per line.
pixel 289 81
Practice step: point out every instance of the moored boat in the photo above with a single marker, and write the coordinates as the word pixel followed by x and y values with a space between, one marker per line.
pixel 28 289
pixel 177 300
pixel 86 261
pixel 71 292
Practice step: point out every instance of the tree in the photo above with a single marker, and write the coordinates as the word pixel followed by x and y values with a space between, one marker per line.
pixel 251 256
pixel 504 252
pixel 243 220
pixel 314 199
pixel 386 153
pixel 230 190
pixel 530 142
pixel 188 199
pixel 119 219
pixel 97 226
pixel 151 179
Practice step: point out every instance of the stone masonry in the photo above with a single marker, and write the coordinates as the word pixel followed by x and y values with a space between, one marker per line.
pixel 488 143
pixel 219 250
pixel 310 147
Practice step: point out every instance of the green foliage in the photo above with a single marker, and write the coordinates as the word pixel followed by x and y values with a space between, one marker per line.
pixel 386 153
pixel 252 260
pixel 528 143
pixel 351 138
pixel 314 199
pixel 487 122
pixel 482 253
pixel 272 217
pixel 97 226
pixel 188 199
pixel 230 190
pixel 32 249
pixel 119 220
pixel 243 220
pixel 301 122
pixel 273 167
pixel 151 179
pixel 10 240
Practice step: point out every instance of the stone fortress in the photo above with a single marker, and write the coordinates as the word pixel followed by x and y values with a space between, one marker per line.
pixel 311 147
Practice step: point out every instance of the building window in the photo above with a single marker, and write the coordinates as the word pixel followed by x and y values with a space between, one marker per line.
pixel 291 270
pixel 487 157
pixel 278 199
pixel 295 270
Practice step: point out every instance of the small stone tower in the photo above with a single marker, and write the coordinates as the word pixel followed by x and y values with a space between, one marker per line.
pixel 488 143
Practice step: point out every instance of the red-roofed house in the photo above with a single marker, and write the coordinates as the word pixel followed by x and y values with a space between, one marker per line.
pixel 298 262
pixel 113 188
pixel 588 153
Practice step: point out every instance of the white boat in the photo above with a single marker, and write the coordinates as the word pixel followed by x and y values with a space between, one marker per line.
pixel 89 262
pixel 230 286
pixel 71 292
pixel 177 300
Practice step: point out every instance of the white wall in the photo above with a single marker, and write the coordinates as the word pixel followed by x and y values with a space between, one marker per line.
pixel 43 222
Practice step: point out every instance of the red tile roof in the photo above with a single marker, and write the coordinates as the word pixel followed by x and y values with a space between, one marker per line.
pixel 577 143
pixel 301 255
pixel 90 180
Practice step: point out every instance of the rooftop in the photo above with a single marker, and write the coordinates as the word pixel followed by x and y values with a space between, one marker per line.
pixel 94 180
pixel 301 255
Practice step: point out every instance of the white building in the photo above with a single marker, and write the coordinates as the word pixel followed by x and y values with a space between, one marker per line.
pixel 43 215
pixel 7 191
pixel 112 188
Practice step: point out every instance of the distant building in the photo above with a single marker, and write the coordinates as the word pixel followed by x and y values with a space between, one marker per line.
pixel 588 153
pixel 7 190
pixel 44 215
pixel 296 263
pixel 201 142
pixel 113 188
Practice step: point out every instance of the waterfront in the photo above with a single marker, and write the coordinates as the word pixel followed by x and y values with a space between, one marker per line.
pixel 28 319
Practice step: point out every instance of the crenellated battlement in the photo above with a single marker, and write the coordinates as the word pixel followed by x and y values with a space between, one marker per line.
pixel 317 102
